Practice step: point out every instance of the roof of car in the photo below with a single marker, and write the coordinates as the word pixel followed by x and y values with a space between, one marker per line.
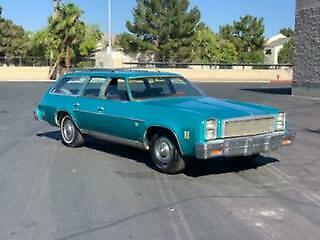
pixel 119 73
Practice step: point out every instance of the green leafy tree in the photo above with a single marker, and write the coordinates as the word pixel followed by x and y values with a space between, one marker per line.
pixel 228 52
pixel 288 32
pixel 39 45
pixel 131 44
pixel 42 47
pixel 165 27
pixel 286 54
pixel 205 46
pixel 66 36
pixel 247 35
pixel 88 44
pixel 42 44
pixel 210 47
pixel 13 39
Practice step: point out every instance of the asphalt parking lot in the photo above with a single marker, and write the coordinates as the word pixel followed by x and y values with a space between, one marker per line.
pixel 107 191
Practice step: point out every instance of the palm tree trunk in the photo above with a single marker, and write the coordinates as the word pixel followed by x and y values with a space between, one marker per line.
pixel 58 65
pixel 68 58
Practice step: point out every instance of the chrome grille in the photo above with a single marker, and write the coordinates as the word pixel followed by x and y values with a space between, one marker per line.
pixel 248 126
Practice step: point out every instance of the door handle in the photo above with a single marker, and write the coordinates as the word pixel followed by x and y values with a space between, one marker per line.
pixel 100 109
pixel 76 105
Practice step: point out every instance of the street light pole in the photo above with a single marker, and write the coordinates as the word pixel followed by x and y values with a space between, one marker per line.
pixel 109 48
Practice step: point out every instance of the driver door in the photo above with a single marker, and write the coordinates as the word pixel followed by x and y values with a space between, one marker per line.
pixel 119 113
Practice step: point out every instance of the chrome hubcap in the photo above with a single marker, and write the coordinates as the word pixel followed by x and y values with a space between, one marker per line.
pixel 68 130
pixel 163 150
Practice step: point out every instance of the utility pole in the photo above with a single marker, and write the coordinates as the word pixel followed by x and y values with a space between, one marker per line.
pixel 54 68
pixel 109 48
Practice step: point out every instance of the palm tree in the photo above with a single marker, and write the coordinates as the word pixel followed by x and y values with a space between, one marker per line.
pixel 66 31
pixel 55 42
pixel 73 29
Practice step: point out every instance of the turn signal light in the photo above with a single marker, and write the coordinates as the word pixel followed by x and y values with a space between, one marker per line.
pixel 216 152
pixel 286 142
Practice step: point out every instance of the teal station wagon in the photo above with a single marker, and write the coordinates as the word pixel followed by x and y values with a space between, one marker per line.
pixel 162 113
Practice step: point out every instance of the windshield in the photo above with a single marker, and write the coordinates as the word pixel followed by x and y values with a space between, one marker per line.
pixel 161 87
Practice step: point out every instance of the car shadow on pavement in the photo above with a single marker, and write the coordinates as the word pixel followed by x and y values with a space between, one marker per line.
pixel 52 135
pixel 216 166
pixel 196 168
pixel 271 90
pixel 107 147
pixel 315 131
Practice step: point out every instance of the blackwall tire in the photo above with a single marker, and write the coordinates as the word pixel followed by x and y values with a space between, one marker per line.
pixel 165 154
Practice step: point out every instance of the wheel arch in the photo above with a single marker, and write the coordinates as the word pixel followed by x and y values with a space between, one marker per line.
pixel 152 130
pixel 60 114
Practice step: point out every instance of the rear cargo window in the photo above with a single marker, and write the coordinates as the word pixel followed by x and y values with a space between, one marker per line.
pixel 69 86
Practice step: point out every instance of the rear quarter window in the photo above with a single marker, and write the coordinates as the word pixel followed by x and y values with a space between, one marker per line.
pixel 69 86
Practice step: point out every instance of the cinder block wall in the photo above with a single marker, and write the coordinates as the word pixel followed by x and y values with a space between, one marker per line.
pixel 306 76
pixel 24 73
pixel 211 75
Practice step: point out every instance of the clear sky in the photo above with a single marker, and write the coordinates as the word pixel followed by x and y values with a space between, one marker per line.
pixel 32 14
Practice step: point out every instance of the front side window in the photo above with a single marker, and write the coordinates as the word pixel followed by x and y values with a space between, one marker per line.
pixel 161 87
pixel 69 86
pixel 94 87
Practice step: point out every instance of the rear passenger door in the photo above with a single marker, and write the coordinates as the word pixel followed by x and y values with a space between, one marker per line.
pixel 89 106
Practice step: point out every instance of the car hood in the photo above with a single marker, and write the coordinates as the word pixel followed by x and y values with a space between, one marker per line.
pixel 211 107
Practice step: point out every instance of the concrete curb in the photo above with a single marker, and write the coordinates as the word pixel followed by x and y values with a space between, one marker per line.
pixel 25 81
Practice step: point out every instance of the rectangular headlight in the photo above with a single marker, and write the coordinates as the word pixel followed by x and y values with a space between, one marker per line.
pixel 211 124
pixel 281 121
pixel 210 135
pixel 210 129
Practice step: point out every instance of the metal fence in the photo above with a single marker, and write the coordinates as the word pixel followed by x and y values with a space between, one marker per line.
pixel 91 62
pixel 206 65
pixel 24 61
pixel 42 62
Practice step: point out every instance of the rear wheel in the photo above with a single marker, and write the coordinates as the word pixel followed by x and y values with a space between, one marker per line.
pixel 71 136
pixel 165 154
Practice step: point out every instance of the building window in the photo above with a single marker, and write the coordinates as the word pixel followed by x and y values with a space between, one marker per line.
pixel 268 52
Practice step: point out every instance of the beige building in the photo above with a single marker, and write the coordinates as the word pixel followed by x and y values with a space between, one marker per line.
pixel 118 55
pixel 273 47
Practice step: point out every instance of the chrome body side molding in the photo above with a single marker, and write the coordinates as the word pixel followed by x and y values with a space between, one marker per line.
pixel 115 139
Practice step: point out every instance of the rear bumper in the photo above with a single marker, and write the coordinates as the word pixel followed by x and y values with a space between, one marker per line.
pixel 244 146
pixel 37 114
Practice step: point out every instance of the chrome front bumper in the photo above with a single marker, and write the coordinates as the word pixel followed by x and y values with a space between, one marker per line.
pixel 35 114
pixel 244 146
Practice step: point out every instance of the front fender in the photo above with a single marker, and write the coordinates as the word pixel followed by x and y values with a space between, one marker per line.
pixel 185 134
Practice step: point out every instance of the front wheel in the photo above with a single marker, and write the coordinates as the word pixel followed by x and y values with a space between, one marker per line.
pixel 71 136
pixel 165 154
